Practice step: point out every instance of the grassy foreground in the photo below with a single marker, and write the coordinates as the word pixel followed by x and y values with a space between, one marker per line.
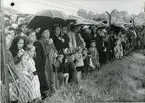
pixel 118 81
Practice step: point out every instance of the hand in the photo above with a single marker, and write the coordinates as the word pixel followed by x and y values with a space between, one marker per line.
pixel 21 52
pixel 62 40
pixel 55 55
pixel 95 35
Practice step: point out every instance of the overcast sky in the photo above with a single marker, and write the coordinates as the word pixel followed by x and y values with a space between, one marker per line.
pixel 72 6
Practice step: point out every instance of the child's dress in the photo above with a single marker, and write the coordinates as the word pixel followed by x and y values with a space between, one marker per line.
pixel 35 80
pixel 95 57
pixel 118 50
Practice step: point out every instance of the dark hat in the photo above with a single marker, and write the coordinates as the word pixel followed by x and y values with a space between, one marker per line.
pixel 43 29
pixel 93 41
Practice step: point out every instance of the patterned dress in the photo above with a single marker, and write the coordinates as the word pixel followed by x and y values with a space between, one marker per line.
pixel 95 56
pixel 25 84
pixel 35 80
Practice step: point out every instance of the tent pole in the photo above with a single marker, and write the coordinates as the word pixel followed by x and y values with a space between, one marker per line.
pixel 4 56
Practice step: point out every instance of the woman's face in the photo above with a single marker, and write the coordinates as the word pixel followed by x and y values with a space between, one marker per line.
pixel 32 52
pixel 20 44
pixel 25 59
pixel 65 30
pixel 9 39
pixel 24 28
pixel 12 32
pixel 94 30
pixel 32 37
pixel 57 30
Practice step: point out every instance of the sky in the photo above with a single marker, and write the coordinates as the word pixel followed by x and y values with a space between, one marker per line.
pixel 71 7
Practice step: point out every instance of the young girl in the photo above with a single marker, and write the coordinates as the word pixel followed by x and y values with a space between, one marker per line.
pixel 65 70
pixel 86 61
pixel 35 81
pixel 79 63
pixel 94 54
pixel 72 68
pixel 118 49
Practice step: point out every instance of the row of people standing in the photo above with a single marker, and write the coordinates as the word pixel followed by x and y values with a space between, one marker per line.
pixel 46 58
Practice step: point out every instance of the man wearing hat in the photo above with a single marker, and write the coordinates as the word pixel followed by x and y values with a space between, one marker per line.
pixel 45 54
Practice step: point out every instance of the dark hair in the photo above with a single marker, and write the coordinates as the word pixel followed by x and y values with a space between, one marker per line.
pixel 11 28
pixel 93 41
pixel 14 48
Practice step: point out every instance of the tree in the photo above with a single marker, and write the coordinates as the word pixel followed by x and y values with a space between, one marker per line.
pixel 91 15
pixel 82 13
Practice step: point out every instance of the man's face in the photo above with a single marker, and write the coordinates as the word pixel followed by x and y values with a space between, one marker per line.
pixel 46 34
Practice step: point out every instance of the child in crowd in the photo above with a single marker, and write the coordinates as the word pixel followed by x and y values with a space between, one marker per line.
pixel 79 63
pixel 86 61
pixel 94 55
pixel 35 81
pixel 72 68
pixel 118 49
pixel 65 70
pixel 59 69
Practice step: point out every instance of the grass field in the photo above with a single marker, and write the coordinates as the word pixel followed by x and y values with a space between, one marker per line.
pixel 118 81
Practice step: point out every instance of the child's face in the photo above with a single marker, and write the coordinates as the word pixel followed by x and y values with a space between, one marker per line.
pixel 93 44
pixel 83 45
pixel 65 51
pixel 84 52
pixel 80 50
pixel 32 52
pixel 60 59
pixel 66 60
pixel 25 59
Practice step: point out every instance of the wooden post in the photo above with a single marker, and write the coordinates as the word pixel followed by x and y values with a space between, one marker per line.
pixel 108 51
pixel 4 53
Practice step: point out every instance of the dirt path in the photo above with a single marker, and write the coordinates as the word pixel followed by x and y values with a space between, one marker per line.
pixel 121 80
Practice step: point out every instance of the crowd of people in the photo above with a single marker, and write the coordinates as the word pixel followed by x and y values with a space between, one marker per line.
pixel 44 59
